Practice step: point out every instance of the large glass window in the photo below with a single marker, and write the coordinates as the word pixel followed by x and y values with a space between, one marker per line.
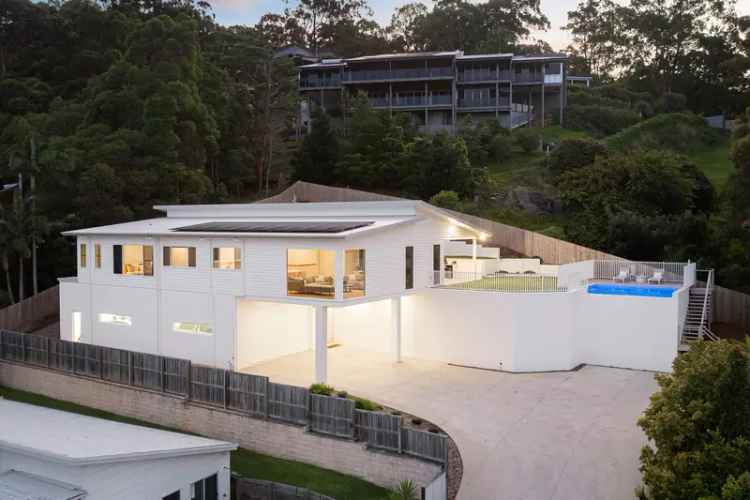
pixel 115 319
pixel 354 273
pixel 409 268
pixel 192 328
pixel 311 272
pixel 82 254
pixel 97 256
pixel 227 258
pixel 179 256
pixel 134 260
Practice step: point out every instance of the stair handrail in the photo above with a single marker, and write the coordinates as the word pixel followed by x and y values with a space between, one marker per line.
pixel 702 328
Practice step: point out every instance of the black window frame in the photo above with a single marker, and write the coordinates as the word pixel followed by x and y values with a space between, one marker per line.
pixel 409 268
pixel 167 256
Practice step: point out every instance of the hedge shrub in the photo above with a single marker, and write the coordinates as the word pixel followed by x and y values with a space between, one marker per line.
pixel 527 139
pixel 600 121
pixel 574 153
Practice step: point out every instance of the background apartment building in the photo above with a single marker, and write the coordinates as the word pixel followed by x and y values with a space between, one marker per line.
pixel 439 88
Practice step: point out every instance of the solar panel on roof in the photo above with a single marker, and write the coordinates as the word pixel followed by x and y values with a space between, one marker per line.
pixel 274 227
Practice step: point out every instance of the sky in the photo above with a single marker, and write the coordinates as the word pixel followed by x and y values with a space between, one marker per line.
pixel 249 11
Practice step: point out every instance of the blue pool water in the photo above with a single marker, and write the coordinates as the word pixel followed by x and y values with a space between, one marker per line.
pixel 638 290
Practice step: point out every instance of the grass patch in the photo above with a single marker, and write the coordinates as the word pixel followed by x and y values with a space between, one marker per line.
pixel 714 161
pixel 245 462
pixel 556 133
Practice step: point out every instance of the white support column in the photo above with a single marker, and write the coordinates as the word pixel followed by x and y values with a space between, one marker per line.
pixel 321 341
pixel 474 253
pixel 396 328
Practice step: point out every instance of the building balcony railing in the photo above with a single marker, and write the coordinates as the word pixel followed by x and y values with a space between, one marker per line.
pixel 528 78
pixel 397 74
pixel 412 101
pixel 311 82
pixel 488 75
pixel 486 102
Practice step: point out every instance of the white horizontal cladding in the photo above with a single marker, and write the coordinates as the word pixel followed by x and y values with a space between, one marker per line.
pixel 337 210
pixel 114 481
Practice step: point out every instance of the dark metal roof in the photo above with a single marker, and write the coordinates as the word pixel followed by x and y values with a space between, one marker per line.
pixel 274 227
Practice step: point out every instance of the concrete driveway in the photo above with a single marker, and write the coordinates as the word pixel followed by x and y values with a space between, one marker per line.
pixel 562 436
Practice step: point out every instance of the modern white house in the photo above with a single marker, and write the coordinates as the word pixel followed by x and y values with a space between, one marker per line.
pixel 241 284
pixel 48 454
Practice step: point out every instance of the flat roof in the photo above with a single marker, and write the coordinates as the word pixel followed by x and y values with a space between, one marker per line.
pixel 303 227
pixel 75 439
pixel 18 485
pixel 360 216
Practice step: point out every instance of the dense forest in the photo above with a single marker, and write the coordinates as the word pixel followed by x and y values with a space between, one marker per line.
pixel 110 107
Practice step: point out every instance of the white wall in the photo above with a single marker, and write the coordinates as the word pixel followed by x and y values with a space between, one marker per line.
pixel 458 326
pixel 627 331
pixel 365 326
pixel 129 480
pixel 267 330
pixel 520 265
pixel 464 249
pixel 575 275
pixel 542 331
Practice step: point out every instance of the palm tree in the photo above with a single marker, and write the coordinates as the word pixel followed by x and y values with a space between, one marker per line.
pixel 5 250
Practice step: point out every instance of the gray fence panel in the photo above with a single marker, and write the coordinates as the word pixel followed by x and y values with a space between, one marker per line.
pixel 176 376
pixel 333 416
pixel 427 445
pixel 147 371
pixel 379 430
pixel 247 393
pixel 35 349
pixel 12 345
pixel 208 385
pixel 288 403
pixel 256 489
pixel 116 365
pixel 87 359
pixel 61 355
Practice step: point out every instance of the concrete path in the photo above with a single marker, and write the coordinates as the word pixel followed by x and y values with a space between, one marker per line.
pixel 556 436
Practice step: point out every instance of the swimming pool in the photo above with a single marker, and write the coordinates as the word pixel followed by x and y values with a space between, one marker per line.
pixel 636 290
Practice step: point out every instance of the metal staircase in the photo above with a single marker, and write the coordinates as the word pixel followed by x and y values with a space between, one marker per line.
pixel 697 324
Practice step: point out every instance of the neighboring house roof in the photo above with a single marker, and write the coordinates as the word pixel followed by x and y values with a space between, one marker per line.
pixel 453 54
pixel 541 57
pixel 300 219
pixel 17 485
pixel 74 439
pixel 479 57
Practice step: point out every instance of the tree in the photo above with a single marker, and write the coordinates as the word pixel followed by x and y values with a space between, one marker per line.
pixel 316 159
pixel 447 199
pixel 403 27
pixel 698 427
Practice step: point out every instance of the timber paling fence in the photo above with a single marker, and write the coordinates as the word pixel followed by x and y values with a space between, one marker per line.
pixel 252 395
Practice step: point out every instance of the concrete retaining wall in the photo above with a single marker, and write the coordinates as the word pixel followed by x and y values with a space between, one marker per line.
pixel 280 440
